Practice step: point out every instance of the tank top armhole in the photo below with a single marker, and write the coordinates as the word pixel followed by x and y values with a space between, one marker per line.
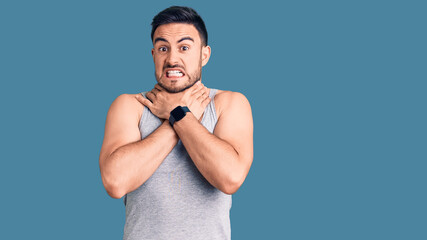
pixel 144 114
pixel 211 106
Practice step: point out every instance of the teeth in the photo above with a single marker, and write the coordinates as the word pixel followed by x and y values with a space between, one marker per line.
pixel 174 73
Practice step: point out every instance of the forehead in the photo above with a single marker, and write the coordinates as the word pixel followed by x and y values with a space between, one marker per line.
pixel 175 31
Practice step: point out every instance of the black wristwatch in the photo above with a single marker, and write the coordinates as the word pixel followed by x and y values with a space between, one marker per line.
pixel 177 114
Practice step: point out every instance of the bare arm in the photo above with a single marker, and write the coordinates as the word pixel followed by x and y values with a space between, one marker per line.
pixel 125 160
pixel 224 157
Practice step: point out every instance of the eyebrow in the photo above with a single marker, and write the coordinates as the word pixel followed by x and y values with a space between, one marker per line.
pixel 186 38
pixel 160 39
pixel 180 40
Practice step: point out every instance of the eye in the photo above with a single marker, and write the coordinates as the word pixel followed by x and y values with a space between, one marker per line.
pixel 185 48
pixel 162 49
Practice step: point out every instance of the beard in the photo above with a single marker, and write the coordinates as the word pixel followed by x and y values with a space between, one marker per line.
pixel 192 79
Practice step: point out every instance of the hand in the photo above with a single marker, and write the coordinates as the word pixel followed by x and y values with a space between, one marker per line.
pixel 196 99
pixel 161 103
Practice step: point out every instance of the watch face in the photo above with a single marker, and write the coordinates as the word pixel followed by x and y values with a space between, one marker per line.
pixel 178 113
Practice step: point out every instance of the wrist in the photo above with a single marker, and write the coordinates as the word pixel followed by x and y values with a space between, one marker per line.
pixel 167 127
pixel 177 114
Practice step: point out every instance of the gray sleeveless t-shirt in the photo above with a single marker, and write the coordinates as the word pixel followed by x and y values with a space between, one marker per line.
pixel 177 202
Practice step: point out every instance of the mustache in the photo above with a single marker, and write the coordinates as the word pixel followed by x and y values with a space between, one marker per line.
pixel 173 66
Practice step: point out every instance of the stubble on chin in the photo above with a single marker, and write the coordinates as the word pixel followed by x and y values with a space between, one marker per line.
pixel 177 90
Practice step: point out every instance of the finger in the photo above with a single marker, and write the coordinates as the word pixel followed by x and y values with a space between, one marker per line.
pixel 150 96
pixel 158 87
pixel 190 91
pixel 201 95
pixel 155 91
pixel 197 90
pixel 196 87
pixel 206 102
pixel 144 101
pixel 203 91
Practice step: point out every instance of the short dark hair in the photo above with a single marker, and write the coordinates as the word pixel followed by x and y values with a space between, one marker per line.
pixel 178 14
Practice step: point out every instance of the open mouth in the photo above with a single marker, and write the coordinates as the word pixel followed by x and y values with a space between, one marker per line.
pixel 174 73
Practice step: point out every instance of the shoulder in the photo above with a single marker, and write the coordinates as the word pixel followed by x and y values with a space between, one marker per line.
pixel 228 100
pixel 222 95
pixel 235 122
pixel 126 101
pixel 126 105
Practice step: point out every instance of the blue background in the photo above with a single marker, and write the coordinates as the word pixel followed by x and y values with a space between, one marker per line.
pixel 337 88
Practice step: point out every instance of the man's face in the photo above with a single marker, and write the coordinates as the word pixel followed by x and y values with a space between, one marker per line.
pixel 178 56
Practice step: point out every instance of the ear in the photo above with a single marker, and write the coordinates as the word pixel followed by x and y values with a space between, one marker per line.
pixel 152 53
pixel 206 54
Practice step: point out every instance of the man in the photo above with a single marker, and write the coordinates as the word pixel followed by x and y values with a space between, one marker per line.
pixel 178 153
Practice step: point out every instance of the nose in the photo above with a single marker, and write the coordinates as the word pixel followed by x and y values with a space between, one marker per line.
pixel 173 57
